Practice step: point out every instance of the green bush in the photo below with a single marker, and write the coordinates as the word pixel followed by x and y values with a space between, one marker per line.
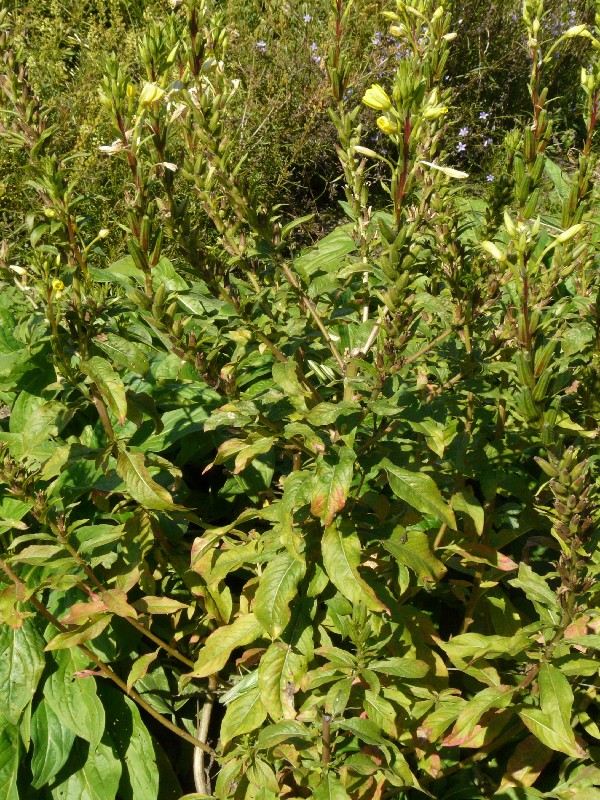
pixel 285 521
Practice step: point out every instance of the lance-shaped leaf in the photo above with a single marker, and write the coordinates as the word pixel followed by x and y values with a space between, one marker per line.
pixel 52 743
pixel 331 485
pixel 244 714
pixel 341 558
pixel 412 549
pixel 96 779
pixel 123 352
pixel 545 728
pixel 273 735
pixel 492 697
pixel 109 385
pixel 278 673
pixel 131 467
pixel 85 633
pixel 21 665
pixel 420 492
pixel 223 641
pixel 330 788
pixel 74 700
pixel 277 588
pixel 9 762
pixel 526 764
pixel 551 723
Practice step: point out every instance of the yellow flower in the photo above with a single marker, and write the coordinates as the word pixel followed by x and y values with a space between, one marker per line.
pixel 57 286
pixel 387 125
pixel 377 98
pixel 150 94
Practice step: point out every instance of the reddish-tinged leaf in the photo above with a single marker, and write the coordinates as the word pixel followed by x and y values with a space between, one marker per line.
pixel 526 763
pixel 331 485
pixel 158 605
pixel 116 601
pixel 85 633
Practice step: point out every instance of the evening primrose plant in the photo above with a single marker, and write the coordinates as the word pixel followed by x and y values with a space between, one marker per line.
pixel 282 521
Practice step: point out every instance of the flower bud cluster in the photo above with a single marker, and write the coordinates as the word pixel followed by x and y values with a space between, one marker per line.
pixel 573 492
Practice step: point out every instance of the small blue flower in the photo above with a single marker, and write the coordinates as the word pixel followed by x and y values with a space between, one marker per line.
pixel 483 115
pixel 262 46
pixel 314 47
pixel 489 178
pixel 307 18
pixel 487 142
pixel 463 132
pixel 461 147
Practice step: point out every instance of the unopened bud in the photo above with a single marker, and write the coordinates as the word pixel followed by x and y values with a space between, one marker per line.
pixel 377 98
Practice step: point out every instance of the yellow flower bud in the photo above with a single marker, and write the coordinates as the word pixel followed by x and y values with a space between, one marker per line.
pixel 387 125
pixel 57 285
pixel 377 98
pixel 569 233
pixel 150 94
pixel 576 30
pixel 494 251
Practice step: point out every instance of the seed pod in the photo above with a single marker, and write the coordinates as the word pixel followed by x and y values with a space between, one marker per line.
pixel 524 371
pixel 137 254
pixel 546 467
pixel 145 231
pixel 531 204
pixel 538 168
pixel 170 312
pixel 529 144
pixel 543 357
pixel 541 387
pixel 159 302
pixel 528 407
pixel 534 321
pixel 140 299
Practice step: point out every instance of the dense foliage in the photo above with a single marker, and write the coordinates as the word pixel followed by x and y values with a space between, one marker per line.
pixel 290 521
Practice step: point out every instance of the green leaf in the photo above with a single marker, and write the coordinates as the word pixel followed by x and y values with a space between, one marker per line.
pixel 74 699
pixel 381 712
pixel 537 590
pixel 467 646
pixel 420 492
pixel 84 633
pixel 96 779
pixel 465 501
pixel 330 788
pixel 21 665
pixel 277 588
pixel 134 746
pixel 341 558
pixel 9 762
pixel 281 732
pixel 244 714
pixel 140 667
pixel 412 549
pixel 109 384
pixel 331 485
pixel 159 605
pixel 556 703
pixel 544 727
pixel 409 668
pixel 52 742
pixel 278 672
pixel 220 643
pixel 121 351
pixel 131 467
pixel 492 697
